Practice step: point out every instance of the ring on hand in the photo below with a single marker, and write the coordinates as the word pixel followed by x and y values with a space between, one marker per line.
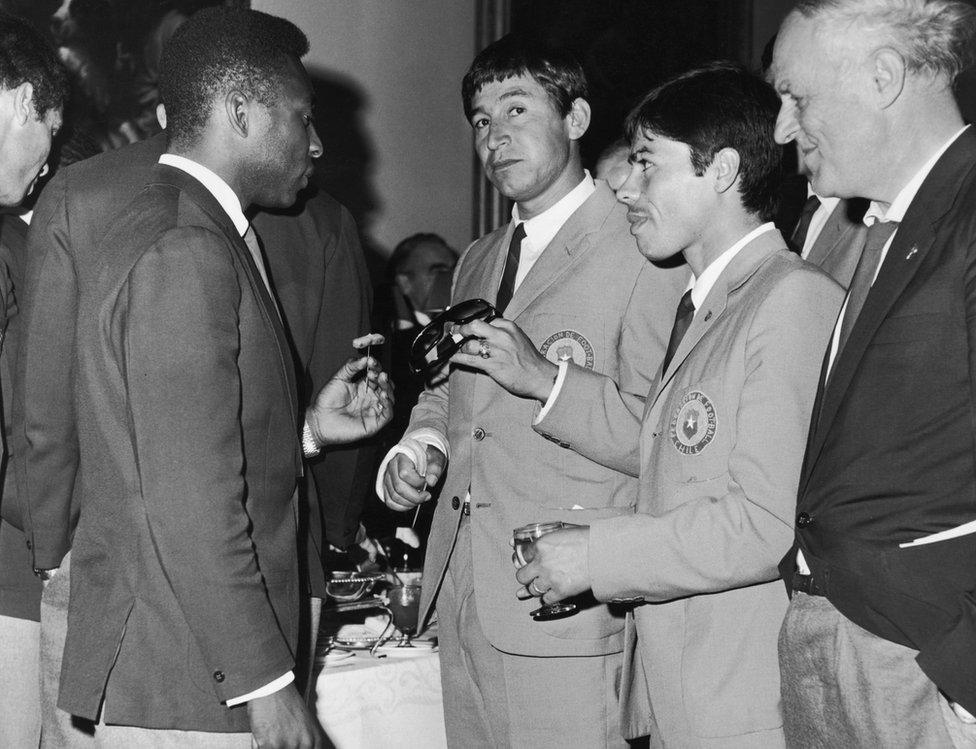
pixel 534 589
pixel 484 350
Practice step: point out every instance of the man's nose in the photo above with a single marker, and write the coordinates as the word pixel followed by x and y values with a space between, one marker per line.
pixel 497 136
pixel 629 189
pixel 315 148
pixel 786 123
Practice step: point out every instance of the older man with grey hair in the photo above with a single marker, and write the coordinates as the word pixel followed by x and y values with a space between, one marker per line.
pixel 878 644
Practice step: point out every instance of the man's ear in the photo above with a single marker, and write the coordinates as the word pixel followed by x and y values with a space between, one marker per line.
pixel 24 111
pixel 725 169
pixel 578 119
pixel 887 75
pixel 237 109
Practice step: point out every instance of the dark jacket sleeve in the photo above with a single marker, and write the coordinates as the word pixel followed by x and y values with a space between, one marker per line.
pixel 45 440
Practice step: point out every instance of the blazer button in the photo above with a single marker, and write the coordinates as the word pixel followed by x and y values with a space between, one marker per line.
pixel 29 545
pixel 803 520
pixel 479 434
pixel 218 676
pixel 455 503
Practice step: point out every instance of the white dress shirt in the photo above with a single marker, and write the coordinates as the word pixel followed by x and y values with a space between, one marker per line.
pixel 232 206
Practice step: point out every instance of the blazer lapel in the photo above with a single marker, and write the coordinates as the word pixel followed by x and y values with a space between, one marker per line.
pixel 570 245
pixel 838 233
pixel 743 266
pixel 911 244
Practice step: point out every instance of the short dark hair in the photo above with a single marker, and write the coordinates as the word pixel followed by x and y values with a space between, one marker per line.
pixel 26 56
pixel 721 105
pixel 403 251
pixel 556 70
pixel 220 49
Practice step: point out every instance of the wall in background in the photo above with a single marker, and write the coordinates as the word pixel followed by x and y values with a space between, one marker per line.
pixel 388 78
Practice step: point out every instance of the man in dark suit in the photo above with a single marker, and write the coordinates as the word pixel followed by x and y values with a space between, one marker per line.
pixel 877 646
pixel 318 273
pixel 188 415
pixel 32 90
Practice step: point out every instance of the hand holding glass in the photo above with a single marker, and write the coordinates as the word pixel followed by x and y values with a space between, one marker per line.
pixel 524 539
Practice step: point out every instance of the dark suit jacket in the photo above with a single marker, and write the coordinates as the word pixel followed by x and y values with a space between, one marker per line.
pixel 20 590
pixel 314 259
pixel 890 455
pixel 184 579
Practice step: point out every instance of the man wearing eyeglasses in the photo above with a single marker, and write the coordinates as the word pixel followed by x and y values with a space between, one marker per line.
pixel 566 271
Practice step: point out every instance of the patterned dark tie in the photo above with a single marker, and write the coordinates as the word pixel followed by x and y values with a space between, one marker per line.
pixel 507 286
pixel 878 235
pixel 682 320
pixel 799 236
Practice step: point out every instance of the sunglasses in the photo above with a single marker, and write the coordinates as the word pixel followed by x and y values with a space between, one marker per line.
pixel 438 341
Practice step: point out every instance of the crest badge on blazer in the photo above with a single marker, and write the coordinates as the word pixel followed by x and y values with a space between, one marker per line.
pixel 693 423
pixel 568 345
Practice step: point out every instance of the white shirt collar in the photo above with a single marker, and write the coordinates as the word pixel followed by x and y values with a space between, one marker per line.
pixel 896 211
pixel 221 191
pixel 541 229
pixel 701 286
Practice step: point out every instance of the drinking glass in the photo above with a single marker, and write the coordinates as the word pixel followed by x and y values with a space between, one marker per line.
pixel 524 538
pixel 404 605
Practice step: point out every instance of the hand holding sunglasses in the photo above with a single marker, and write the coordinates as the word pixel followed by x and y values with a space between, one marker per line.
pixel 501 350
pixel 440 340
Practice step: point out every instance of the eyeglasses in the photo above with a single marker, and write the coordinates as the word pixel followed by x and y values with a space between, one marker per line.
pixel 438 341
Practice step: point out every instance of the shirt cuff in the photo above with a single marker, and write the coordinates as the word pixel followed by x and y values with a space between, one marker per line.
pixel 413 445
pixel 557 385
pixel 277 685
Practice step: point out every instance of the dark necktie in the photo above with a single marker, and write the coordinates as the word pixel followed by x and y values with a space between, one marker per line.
pixel 507 286
pixel 682 320
pixel 878 235
pixel 254 247
pixel 799 236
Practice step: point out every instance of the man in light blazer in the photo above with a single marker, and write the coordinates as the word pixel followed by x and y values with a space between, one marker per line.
pixel 583 295
pixel 833 236
pixel 718 442
pixel 184 600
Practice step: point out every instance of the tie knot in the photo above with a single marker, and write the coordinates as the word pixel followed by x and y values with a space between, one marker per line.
pixel 686 306
pixel 811 205
pixel 878 234
pixel 519 234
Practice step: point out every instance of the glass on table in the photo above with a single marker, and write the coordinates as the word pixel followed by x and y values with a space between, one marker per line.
pixel 524 539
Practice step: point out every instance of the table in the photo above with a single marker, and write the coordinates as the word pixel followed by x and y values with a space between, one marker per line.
pixel 382 703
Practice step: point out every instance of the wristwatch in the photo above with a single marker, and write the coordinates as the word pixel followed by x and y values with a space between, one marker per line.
pixel 310 448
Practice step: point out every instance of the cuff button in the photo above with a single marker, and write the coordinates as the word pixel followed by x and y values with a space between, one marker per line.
pixel 218 676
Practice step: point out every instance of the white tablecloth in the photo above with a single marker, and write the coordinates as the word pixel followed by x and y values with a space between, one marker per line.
pixel 386 703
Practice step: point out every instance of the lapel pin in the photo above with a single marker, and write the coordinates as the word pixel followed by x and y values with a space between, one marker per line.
pixel 708 316
pixel 911 253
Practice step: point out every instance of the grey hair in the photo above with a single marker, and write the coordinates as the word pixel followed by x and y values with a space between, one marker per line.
pixel 931 35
